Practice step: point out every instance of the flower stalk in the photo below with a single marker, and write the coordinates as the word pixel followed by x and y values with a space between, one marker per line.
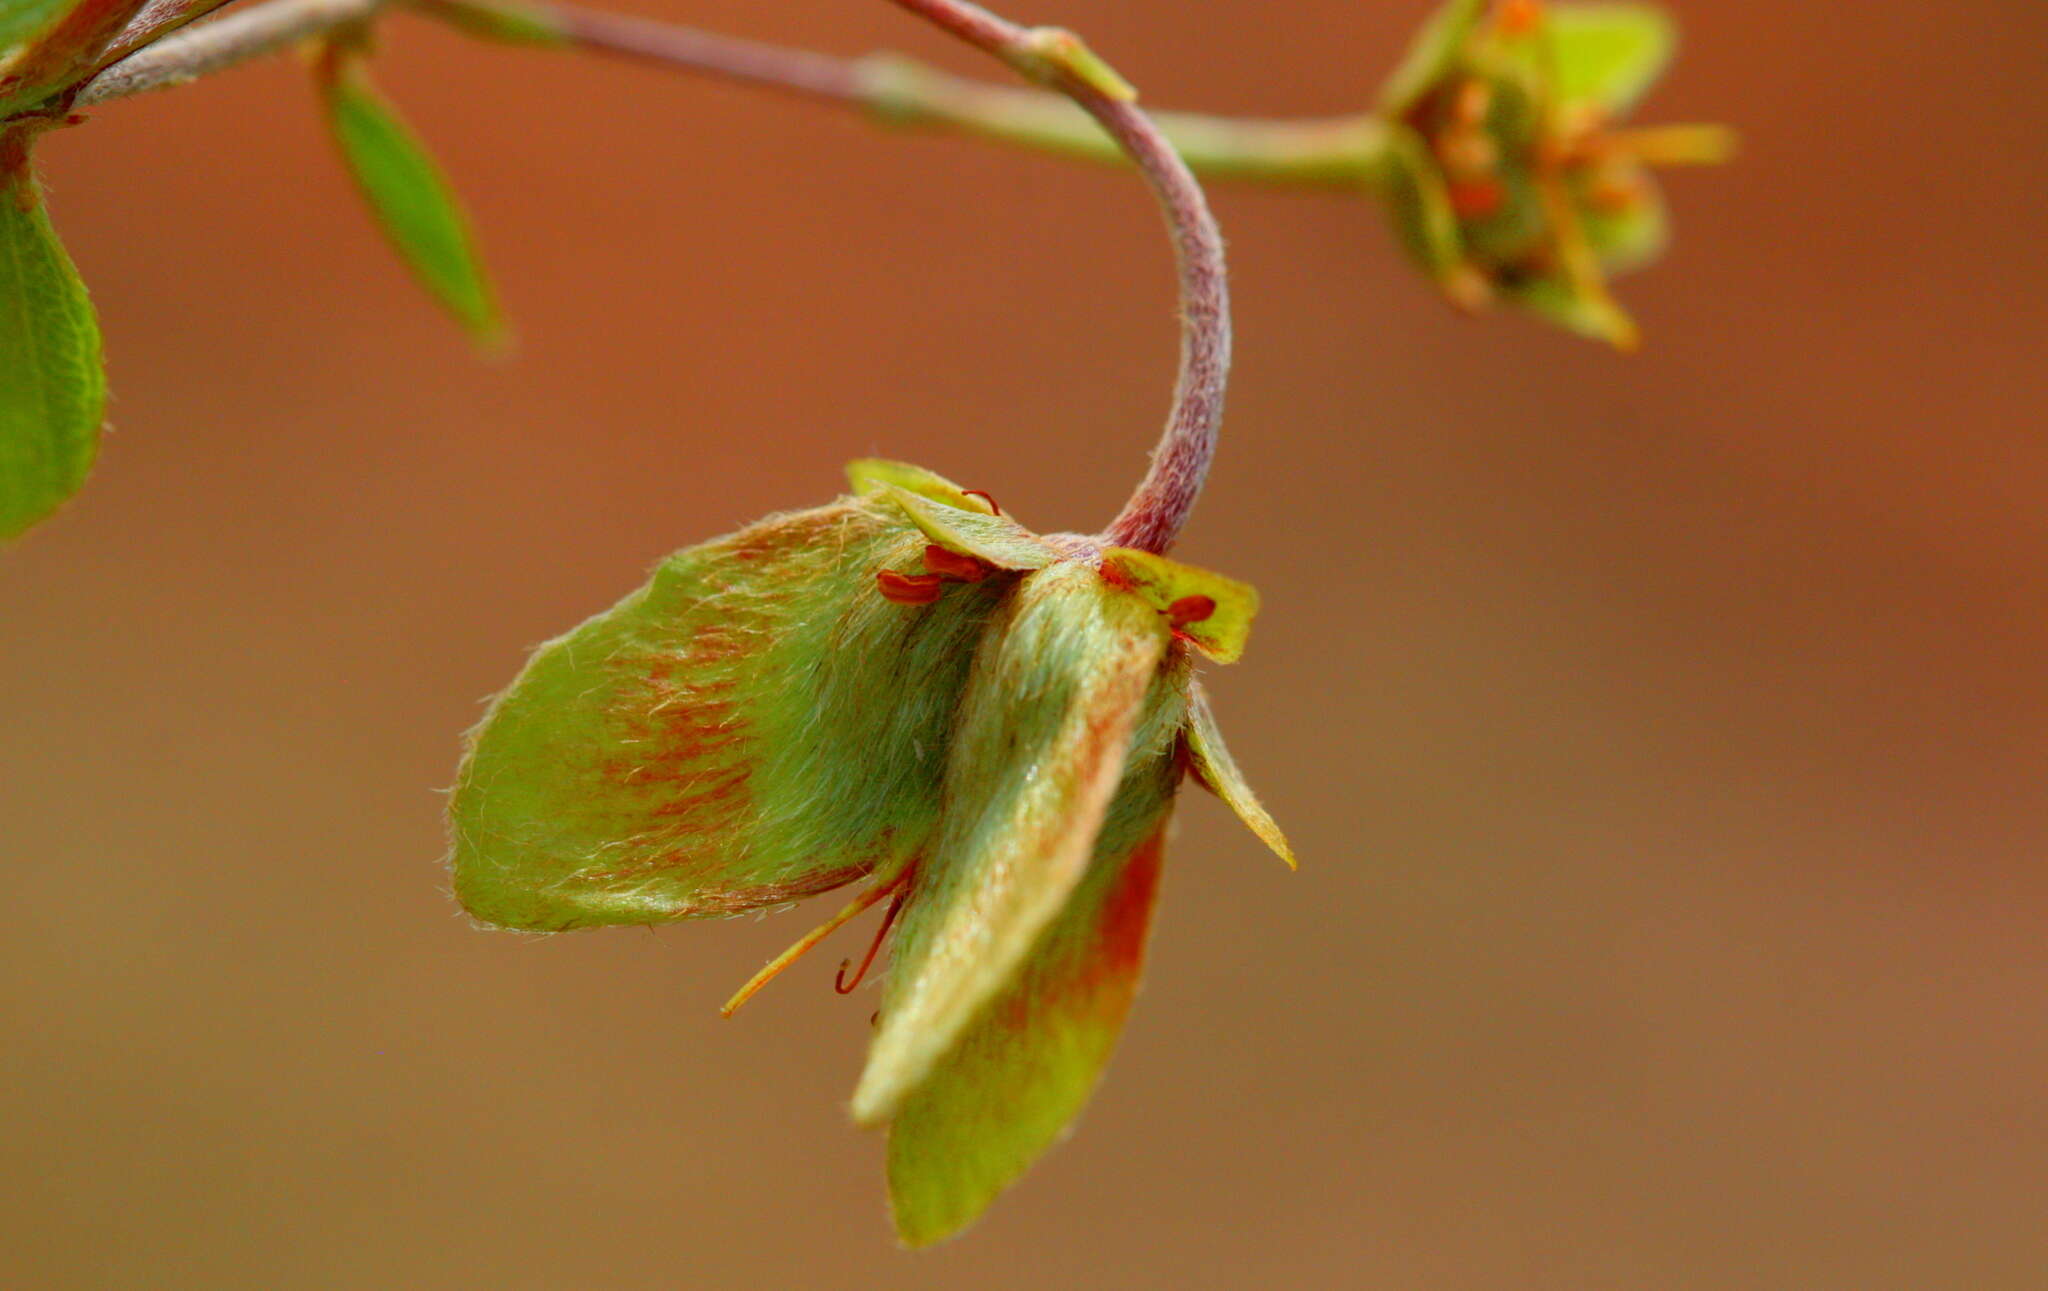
pixel 1160 506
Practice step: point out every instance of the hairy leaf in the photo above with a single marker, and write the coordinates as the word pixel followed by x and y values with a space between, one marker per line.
pixel 411 200
pixel 52 387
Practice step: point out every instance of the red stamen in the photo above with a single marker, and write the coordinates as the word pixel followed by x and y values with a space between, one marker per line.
pixel 953 564
pixel 1474 199
pixel 985 496
pixel 839 982
pixel 908 589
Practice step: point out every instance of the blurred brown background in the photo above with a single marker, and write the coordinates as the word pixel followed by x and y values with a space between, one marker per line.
pixel 1665 737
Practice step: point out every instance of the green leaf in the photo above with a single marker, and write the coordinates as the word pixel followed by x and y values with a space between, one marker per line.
pixel 1045 726
pixel 1027 1065
pixel 1608 54
pixel 52 387
pixel 1215 770
pixel 413 204
pixel 756 724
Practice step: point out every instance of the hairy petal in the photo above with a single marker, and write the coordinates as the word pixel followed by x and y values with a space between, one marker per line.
pixel 1217 772
pixel 754 725
pixel 1024 1069
pixel 1046 723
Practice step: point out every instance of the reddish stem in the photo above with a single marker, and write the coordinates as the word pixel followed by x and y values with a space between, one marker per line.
pixel 1159 507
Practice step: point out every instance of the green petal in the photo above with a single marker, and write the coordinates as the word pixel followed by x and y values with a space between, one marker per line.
pixel 997 539
pixel 1215 770
pixel 1045 726
pixel 870 475
pixel 52 387
pixel 1633 236
pixel 1595 316
pixel 1420 206
pixel 1167 584
pixel 1437 47
pixel 756 724
pixel 410 198
pixel 1607 54
pixel 1027 1065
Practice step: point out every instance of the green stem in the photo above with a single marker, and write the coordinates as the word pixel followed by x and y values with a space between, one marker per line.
pixel 1334 152
pixel 1329 152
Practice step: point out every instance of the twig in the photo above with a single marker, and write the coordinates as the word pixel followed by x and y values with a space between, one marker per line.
pixel 220 44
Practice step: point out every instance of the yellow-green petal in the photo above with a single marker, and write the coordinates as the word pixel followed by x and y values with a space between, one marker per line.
pixel 997 539
pixel 870 475
pixel 1435 49
pixel 1607 54
pixel 1045 725
pixel 755 724
pixel 1215 770
pixel 1174 590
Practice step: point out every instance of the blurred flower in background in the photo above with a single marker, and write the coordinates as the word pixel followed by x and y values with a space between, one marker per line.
pixel 1510 173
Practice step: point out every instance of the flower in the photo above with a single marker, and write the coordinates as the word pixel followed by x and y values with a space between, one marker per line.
pixel 1509 175
pixel 906 687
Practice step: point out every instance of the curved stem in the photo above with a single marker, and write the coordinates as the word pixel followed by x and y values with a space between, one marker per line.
pixel 1157 510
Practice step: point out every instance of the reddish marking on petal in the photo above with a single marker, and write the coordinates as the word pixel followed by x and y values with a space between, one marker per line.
pixel 985 496
pixel 1189 609
pixel 908 589
pixel 1474 199
pixel 955 565
pixel 1127 912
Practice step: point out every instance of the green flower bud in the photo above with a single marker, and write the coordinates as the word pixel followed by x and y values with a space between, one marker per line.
pixel 908 687
pixel 1509 175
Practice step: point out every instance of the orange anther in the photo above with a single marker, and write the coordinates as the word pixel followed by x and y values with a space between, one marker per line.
pixel 1475 199
pixel 908 589
pixel 953 564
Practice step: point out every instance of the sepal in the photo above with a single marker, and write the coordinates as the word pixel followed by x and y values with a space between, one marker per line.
pixel 1212 612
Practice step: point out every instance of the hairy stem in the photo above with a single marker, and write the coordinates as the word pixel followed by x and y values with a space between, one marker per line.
pixel 1157 510
pixel 222 43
